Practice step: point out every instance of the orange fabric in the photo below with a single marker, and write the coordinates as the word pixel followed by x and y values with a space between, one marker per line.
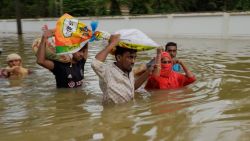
pixel 166 54
pixel 175 80
pixel 70 35
pixel 77 36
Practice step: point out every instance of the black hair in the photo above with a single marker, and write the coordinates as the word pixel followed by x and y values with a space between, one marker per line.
pixel 120 50
pixel 84 47
pixel 170 44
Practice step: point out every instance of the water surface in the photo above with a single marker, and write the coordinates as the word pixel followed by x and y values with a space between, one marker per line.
pixel 216 107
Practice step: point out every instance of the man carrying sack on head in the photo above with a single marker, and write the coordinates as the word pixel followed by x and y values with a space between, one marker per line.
pixel 72 39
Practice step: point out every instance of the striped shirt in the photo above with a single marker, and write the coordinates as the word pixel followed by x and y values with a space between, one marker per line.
pixel 116 85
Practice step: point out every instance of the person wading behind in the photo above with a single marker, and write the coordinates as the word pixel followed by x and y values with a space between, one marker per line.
pixel 171 48
pixel 15 68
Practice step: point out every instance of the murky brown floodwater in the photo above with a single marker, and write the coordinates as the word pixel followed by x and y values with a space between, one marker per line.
pixel 215 108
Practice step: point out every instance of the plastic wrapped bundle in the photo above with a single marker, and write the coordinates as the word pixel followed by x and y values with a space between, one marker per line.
pixel 50 50
pixel 70 35
pixel 129 38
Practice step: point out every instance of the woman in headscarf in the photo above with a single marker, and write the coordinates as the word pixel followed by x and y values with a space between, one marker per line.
pixel 163 77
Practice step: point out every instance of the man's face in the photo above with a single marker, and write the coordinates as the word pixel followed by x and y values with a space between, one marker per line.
pixel 126 61
pixel 80 54
pixel 16 62
pixel 172 50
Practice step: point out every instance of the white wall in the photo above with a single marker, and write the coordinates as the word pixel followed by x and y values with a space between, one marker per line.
pixel 202 25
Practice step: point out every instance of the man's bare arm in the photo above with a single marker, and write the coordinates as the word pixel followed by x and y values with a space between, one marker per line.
pixel 41 60
pixel 113 41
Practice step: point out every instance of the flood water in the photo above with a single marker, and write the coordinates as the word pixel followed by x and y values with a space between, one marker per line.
pixel 215 108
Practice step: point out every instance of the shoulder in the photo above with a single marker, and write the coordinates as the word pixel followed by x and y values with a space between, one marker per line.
pixel 177 67
pixel 97 63
pixel 178 75
pixel 58 66
pixel 57 63
pixel 83 61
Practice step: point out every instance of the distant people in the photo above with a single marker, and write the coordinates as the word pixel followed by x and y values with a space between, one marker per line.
pixel 117 80
pixel 67 75
pixel 171 48
pixel 163 77
pixel 14 68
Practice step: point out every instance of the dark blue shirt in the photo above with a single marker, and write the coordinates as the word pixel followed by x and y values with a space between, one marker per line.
pixel 68 75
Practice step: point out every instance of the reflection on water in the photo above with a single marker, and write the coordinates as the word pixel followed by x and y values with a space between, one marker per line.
pixel 216 107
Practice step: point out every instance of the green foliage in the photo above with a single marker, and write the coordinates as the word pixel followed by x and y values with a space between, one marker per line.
pixel 101 7
pixel 165 6
pixel 140 7
pixel 243 5
pixel 79 7
pixel 55 8
pixel 7 9
pixel 115 7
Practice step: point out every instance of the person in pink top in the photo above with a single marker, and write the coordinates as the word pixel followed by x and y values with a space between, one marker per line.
pixel 163 76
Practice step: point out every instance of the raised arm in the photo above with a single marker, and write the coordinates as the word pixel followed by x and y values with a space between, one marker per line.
pixel 41 59
pixel 113 41
pixel 185 69
pixel 157 67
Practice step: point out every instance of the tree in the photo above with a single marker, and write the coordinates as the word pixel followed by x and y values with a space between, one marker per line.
pixel 242 5
pixel 51 8
pixel 7 9
pixel 101 7
pixel 79 7
pixel 165 6
pixel 115 8
pixel 140 7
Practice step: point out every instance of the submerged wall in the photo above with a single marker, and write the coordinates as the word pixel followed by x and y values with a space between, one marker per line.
pixel 201 25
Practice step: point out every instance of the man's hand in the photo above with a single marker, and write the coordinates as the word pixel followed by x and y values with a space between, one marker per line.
pixel 114 40
pixel 159 51
pixel 46 32
pixel 41 59
pixel 14 69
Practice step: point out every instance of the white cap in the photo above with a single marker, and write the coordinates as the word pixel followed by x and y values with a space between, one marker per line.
pixel 13 56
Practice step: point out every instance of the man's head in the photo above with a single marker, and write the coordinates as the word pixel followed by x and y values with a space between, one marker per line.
pixel 125 58
pixel 14 60
pixel 171 48
pixel 81 53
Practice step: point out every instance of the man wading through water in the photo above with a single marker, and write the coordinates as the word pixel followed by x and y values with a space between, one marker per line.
pixel 117 80
pixel 67 75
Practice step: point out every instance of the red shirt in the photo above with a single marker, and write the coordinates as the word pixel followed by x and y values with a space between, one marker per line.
pixel 175 80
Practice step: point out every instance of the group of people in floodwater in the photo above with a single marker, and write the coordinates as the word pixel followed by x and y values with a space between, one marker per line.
pixel 118 80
